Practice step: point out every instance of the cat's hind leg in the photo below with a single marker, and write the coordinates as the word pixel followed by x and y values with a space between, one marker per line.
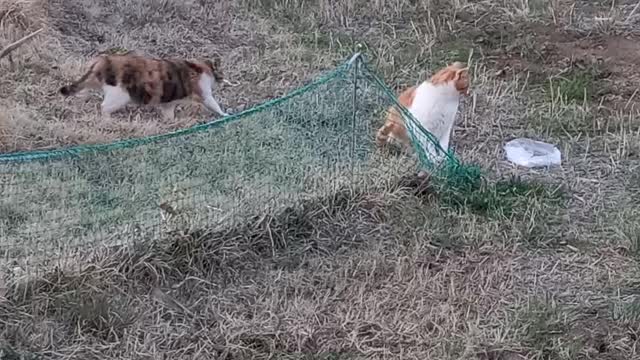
pixel 211 104
pixel 205 83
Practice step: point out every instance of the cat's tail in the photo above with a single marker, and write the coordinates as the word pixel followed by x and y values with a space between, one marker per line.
pixel 77 85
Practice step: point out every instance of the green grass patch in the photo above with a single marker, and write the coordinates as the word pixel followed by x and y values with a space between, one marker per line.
pixel 117 50
pixel 575 87
pixel 320 356
pixel 629 228
pixel 8 353
pixel 505 198
pixel 562 120
pixel 336 42
pixel 545 323
pixel 627 312
pixel 452 51
pixel 578 85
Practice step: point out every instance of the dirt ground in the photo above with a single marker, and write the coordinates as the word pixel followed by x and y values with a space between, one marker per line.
pixel 547 281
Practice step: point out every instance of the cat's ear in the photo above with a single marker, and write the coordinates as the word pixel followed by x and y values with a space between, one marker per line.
pixel 461 72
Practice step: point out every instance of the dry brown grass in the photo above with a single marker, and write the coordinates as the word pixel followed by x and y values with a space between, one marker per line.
pixel 22 15
pixel 391 275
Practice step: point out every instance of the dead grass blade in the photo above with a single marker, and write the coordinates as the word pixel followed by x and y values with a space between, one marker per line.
pixel 16 44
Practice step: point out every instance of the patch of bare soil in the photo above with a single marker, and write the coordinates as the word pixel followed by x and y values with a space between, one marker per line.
pixel 547 51
pixel 617 56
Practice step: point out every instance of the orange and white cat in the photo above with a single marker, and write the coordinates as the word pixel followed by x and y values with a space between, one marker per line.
pixel 433 103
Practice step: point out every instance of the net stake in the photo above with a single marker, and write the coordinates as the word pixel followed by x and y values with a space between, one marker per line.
pixel 355 60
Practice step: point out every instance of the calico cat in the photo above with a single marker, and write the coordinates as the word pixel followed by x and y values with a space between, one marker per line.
pixel 434 103
pixel 150 81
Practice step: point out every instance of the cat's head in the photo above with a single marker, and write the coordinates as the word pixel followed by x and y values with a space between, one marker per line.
pixel 456 74
pixel 215 65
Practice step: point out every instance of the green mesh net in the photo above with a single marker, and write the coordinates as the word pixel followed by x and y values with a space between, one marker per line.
pixel 311 143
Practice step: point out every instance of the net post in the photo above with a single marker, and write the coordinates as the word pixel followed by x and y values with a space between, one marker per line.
pixel 354 65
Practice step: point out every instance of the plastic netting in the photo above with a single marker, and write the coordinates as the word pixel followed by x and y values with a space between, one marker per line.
pixel 308 144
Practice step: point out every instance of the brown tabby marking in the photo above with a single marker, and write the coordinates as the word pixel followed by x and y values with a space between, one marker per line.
pixel 150 81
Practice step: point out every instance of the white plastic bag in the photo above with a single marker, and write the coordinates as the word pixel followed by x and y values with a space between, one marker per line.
pixel 532 153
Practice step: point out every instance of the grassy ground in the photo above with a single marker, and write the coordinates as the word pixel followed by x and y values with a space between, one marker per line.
pixel 550 274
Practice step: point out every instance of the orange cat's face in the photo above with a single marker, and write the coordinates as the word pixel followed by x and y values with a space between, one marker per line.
pixel 456 73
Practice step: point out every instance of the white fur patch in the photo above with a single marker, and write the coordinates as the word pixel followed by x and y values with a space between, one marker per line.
pixel 115 98
pixel 435 107
pixel 206 83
